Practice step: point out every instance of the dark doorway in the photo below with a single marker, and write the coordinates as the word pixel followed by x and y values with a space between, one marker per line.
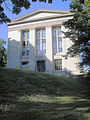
pixel 41 65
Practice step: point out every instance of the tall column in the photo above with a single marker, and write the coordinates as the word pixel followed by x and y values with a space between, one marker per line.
pixel 32 49
pixel 49 53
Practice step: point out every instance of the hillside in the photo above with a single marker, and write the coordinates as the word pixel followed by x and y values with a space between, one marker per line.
pixel 38 96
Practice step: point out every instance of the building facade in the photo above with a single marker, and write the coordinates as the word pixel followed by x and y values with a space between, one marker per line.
pixel 36 42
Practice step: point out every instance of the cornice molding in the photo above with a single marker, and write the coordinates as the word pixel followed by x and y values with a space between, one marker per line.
pixel 38 19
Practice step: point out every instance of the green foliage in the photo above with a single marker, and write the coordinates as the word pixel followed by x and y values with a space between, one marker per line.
pixel 2 53
pixel 78 32
pixel 16 8
pixel 87 5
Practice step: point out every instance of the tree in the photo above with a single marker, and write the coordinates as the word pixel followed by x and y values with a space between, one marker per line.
pixel 79 32
pixel 16 8
pixel 2 53
pixel 87 5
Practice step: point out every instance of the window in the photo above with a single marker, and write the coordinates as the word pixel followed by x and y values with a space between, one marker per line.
pixel 25 43
pixel 23 52
pixel 43 33
pixel 58 64
pixel 25 35
pixel 27 52
pixel 43 47
pixel 41 41
pixel 59 44
pixel 57 39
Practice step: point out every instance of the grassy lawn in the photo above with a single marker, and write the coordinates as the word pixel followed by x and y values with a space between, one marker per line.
pixel 38 96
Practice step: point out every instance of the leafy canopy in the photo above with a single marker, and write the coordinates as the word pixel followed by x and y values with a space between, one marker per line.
pixel 79 32
pixel 15 8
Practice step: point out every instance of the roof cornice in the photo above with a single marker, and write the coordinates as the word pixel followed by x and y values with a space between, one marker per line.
pixel 38 19
pixel 41 11
pixel 18 20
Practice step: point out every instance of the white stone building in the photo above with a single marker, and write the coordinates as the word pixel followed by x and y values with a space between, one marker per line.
pixel 36 40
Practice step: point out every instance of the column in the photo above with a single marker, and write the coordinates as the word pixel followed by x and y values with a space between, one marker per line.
pixel 49 53
pixel 32 49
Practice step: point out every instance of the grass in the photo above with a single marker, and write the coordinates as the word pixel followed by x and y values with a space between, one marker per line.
pixel 38 96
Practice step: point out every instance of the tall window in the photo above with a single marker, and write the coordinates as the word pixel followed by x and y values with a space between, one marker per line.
pixel 25 43
pixel 57 39
pixel 41 41
pixel 58 64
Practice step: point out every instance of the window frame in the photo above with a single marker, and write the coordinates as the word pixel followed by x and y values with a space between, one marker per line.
pixel 25 42
pixel 59 65
pixel 57 36
pixel 41 38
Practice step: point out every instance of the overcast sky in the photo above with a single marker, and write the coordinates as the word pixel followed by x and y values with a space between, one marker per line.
pixel 57 4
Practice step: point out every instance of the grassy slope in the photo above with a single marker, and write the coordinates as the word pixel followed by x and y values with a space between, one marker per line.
pixel 38 96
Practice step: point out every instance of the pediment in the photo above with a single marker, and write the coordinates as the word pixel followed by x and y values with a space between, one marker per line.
pixel 41 13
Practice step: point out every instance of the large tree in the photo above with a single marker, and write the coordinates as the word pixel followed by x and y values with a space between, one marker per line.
pixel 79 31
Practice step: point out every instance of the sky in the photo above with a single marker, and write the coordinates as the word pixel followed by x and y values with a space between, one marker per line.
pixel 57 4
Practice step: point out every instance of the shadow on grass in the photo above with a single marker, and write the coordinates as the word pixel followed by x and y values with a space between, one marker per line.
pixel 34 96
pixel 50 108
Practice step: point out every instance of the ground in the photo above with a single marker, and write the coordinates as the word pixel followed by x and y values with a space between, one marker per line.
pixel 39 96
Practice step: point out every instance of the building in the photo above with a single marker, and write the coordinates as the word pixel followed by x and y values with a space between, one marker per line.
pixel 36 41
